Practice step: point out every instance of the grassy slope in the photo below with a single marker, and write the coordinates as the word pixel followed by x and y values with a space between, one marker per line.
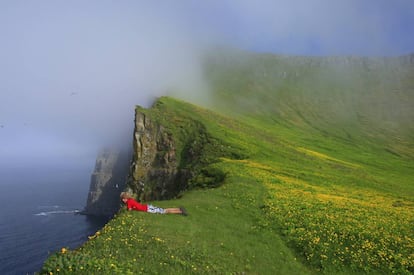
pixel 312 194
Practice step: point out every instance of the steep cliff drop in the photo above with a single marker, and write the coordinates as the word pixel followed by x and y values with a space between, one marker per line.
pixel 173 152
pixel 154 171
pixel 107 182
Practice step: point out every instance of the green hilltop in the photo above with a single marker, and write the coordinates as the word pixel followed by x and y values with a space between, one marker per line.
pixel 304 165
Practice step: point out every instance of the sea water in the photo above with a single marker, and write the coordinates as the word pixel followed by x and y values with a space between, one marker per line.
pixel 39 215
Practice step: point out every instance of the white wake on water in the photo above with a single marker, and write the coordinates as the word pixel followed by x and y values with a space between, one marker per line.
pixel 52 212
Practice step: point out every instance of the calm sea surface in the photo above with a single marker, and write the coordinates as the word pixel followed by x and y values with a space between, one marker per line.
pixel 38 216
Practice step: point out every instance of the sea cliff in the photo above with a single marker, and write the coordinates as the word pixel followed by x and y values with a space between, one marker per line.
pixel 107 182
pixel 297 160
pixel 167 159
pixel 170 158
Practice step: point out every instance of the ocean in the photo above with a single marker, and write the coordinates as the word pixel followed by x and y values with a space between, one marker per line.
pixel 39 215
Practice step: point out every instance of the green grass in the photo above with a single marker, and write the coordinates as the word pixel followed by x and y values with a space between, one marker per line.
pixel 224 233
pixel 300 196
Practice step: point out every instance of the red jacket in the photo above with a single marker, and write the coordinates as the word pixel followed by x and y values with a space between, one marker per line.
pixel 134 205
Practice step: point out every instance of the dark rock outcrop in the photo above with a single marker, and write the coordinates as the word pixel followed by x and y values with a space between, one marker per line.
pixel 107 182
pixel 173 152
pixel 154 171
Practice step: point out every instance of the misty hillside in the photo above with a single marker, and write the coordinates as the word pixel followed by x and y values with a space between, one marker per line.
pixel 351 98
pixel 301 166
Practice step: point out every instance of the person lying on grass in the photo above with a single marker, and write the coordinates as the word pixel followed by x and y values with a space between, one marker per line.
pixel 132 204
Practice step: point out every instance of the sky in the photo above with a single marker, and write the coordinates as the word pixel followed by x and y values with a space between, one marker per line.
pixel 71 72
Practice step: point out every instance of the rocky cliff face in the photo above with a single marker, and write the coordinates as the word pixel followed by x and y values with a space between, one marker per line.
pixel 154 171
pixel 107 182
pixel 173 152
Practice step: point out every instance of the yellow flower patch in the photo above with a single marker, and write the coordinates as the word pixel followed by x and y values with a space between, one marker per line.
pixel 350 227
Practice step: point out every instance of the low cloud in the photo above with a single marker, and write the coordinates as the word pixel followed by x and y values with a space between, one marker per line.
pixel 72 71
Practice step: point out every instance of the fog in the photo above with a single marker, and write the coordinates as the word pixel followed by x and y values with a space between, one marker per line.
pixel 71 72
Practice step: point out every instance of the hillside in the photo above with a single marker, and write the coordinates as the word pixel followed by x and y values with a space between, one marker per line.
pixel 317 175
pixel 349 98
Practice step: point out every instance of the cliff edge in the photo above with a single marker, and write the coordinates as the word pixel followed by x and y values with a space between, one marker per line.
pixel 173 153
pixel 107 182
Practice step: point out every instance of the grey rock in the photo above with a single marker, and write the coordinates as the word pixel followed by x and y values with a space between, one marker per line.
pixel 107 182
pixel 154 172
